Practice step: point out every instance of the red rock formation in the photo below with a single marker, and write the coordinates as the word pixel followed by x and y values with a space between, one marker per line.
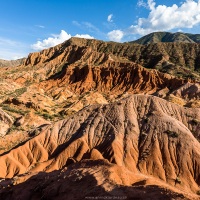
pixel 121 148
pixel 89 179
pixel 113 77
pixel 5 122
pixel 143 133
pixel 185 55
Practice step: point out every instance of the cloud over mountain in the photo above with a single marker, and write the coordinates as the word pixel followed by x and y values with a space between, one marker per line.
pixel 163 18
pixel 115 35
pixel 56 39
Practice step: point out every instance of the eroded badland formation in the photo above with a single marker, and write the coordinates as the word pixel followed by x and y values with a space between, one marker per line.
pixel 88 118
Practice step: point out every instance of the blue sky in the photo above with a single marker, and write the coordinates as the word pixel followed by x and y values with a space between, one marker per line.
pixel 32 25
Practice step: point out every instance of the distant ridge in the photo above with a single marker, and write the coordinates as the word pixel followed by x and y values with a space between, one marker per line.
pixel 168 37
pixel 13 63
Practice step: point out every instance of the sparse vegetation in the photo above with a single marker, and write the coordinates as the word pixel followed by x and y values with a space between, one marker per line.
pixel 2 148
pixel 172 134
pixel 48 116
pixel 14 110
pixel 143 134
pixel 27 82
pixel 146 120
pixel 150 113
pixel 194 121
pixel 34 132
pixel 45 115
pixel 20 91
pixel 178 180
pixel 14 128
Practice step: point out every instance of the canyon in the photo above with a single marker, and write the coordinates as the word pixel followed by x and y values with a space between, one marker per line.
pixel 106 118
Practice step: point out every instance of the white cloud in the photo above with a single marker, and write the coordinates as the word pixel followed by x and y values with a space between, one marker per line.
pixel 141 3
pixel 163 18
pixel 76 23
pixel 151 4
pixel 16 57
pixel 84 36
pixel 40 26
pixel 51 41
pixel 109 18
pixel 56 39
pixel 115 35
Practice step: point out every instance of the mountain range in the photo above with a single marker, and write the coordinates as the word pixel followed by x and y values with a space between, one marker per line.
pixel 90 118
pixel 169 37
pixel 11 63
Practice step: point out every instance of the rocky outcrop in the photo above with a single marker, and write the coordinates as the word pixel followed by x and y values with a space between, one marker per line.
pixel 104 142
pixel 5 122
pixel 188 91
pixel 180 55
pixel 112 77
pixel 143 133
pixel 89 179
